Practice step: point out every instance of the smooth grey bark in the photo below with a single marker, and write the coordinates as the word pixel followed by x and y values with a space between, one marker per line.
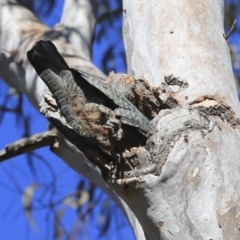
pixel 183 38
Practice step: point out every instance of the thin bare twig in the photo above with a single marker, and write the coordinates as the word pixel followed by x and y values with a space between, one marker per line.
pixel 109 14
pixel 226 36
pixel 29 144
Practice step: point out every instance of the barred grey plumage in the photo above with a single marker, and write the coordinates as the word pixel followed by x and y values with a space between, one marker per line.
pixel 127 112
pixel 70 86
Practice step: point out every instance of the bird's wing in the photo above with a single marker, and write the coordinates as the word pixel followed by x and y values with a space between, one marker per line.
pixel 124 109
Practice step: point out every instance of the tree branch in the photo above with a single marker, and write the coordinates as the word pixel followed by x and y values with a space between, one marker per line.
pixel 29 144
pixel 226 36
pixel 109 14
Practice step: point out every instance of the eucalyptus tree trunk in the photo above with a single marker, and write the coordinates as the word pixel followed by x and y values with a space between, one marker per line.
pixel 179 47
pixel 186 187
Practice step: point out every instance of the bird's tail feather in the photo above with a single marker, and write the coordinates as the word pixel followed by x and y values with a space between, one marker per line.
pixel 44 55
pixel 54 71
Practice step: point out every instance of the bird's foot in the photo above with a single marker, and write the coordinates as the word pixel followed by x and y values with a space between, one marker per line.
pixel 114 127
